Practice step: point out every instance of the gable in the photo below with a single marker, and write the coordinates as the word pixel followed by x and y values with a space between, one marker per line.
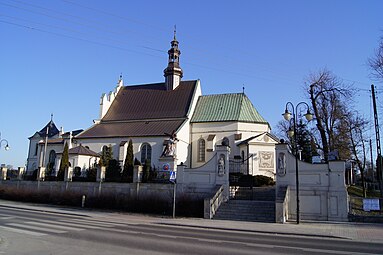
pixel 261 138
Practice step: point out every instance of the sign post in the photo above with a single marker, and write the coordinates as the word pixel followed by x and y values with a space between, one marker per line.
pixel 173 180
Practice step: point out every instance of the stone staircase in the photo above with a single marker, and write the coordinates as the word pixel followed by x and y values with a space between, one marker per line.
pixel 249 204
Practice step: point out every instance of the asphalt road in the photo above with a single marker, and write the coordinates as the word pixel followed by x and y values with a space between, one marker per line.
pixel 37 232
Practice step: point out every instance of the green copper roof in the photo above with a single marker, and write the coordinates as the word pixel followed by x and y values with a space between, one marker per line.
pixel 226 107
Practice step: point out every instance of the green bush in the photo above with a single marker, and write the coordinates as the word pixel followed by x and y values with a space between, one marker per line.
pixel 261 180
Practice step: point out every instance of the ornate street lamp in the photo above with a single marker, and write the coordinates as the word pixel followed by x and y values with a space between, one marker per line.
pixel 6 145
pixel 292 133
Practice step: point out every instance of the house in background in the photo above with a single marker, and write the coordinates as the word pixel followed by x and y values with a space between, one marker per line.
pixel 46 146
pixel 169 123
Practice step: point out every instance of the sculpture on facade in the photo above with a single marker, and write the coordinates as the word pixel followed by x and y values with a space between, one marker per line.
pixel 170 145
pixel 281 164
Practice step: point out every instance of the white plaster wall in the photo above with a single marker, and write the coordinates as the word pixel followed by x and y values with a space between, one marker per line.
pixel 32 157
pixel 323 194
pixel 255 149
pixel 107 99
pixel 204 179
pixel 221 130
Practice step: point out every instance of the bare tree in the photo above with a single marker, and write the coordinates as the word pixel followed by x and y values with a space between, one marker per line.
pixel 356 129
pixel 329 98
pixel 376 62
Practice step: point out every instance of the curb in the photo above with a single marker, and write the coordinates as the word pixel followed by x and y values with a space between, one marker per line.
pixel 254 231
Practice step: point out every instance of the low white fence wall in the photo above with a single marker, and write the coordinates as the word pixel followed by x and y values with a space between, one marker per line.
pixel 322 188
pixel 134 190
pixel 205 179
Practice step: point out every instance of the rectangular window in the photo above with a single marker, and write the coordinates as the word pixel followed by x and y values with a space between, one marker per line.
pixel 36 149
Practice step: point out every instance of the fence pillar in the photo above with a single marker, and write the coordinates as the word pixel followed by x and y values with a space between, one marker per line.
pixel 68 174
pixel 4 173
pixel 20 173
pixel 41 173
pixel 101 174
pixel 137 174
pixel 222 170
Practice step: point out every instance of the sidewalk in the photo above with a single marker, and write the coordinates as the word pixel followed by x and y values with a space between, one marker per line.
pixel 365 232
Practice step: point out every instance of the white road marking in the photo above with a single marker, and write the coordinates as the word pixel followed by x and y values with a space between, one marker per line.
pixel 22 231
pixel 55 226
pixel 36 228
pixel 67 224
pixel 7 218
pixel 93 223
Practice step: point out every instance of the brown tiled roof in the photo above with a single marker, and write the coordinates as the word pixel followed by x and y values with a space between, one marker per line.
pixel 132 129
pixel 145 110
pixel 151 101
pixel 81 150
pixel 53 141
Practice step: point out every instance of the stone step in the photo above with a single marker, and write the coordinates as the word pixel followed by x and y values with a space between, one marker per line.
pixel 254 193
pixel 247 210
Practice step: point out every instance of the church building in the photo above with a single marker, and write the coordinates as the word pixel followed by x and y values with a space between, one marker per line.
pixel 169 123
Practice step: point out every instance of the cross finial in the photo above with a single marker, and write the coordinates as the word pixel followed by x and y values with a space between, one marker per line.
pixel 51 116
pixel 243 89
pixel 175 31
pixel 120 76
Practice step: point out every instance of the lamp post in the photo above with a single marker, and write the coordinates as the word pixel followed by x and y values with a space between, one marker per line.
pixel 292 133
pixel 6 145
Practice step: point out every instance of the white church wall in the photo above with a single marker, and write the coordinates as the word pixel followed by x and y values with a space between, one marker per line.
pixel 155 142
pixel 107 99
pixel 221 130
pixel 183 143
pixel 32 161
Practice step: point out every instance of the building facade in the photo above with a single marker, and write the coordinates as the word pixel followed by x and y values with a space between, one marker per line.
pixel 169 123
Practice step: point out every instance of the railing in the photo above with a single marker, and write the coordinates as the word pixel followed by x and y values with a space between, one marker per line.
pixel 211 205
pixel 244 166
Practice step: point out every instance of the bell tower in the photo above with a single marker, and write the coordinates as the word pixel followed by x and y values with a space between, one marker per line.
pixel 173 73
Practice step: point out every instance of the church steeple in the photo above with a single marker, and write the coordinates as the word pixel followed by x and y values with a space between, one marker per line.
pixel 173 73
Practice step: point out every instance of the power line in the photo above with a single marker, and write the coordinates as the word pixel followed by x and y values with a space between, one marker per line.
pixel 76 38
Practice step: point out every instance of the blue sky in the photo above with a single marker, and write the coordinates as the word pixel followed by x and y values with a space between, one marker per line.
pixel 59 56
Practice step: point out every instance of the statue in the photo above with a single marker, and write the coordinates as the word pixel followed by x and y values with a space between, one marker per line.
pixel 281 164
pixel 170 145
pixel 221 166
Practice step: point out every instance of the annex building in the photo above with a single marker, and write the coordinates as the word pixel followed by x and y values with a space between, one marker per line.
pixel 169 123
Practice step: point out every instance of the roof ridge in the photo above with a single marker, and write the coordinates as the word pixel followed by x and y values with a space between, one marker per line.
pixel 153 83
pixel 224 94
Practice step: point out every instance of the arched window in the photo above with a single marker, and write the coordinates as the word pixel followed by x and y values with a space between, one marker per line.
pixel 146 152
pixel 201 150
pixel 52 157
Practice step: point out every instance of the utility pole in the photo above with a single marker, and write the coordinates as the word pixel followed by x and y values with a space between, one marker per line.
pixel 379 156
pixel 372 163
